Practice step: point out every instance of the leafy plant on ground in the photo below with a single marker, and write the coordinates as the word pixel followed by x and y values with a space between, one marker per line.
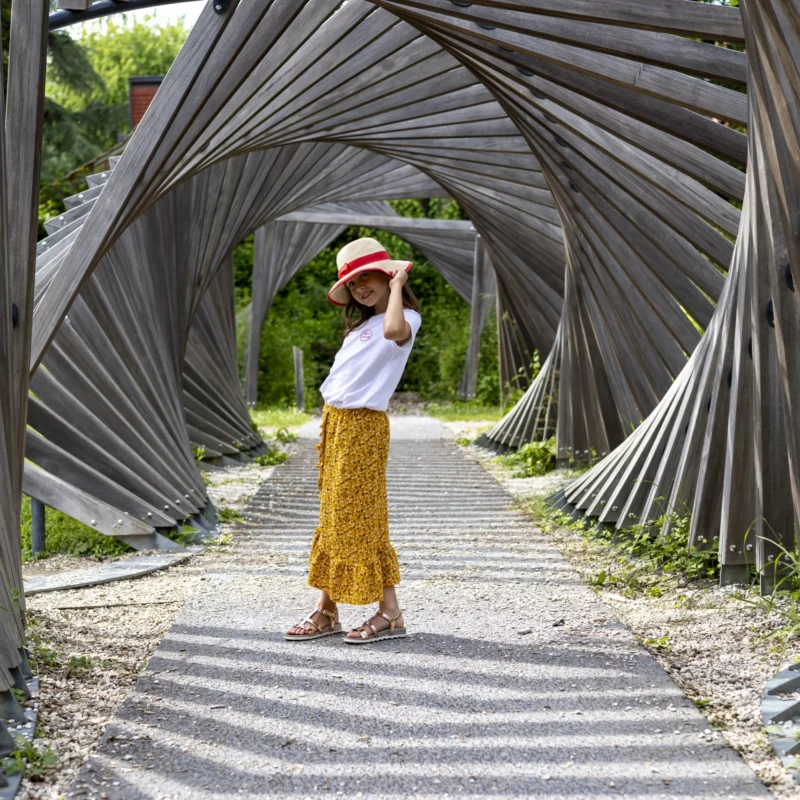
pixel 41 655
pixel 532 459
pixel 184 536
pixel 638 554
pixel 27 759
pixel 199 452
pixel 285 436
pixel 77 661
pixel 599 578
pixel 271 458
pixel 227 514
pixel 660 643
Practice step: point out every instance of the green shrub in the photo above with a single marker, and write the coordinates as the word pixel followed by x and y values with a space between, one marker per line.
pixel 27 759
pixel 271 458
pixel 532 459
pixel 285 435
pixel 641 552
pixel 227 514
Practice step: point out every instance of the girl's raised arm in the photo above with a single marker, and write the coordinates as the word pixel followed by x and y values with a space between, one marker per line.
pixel 395 326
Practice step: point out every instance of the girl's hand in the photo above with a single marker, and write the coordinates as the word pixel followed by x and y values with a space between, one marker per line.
pixel 398 279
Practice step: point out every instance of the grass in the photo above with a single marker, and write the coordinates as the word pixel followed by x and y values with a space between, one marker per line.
pixel 463 411
pixel 274 418
pixel 785 601
pixel 66 536
pixel 639 556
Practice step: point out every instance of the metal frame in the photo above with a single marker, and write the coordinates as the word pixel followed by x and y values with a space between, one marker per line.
pixel 104 8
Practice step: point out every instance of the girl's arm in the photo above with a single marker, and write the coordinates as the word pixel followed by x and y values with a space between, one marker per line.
pixel 395 326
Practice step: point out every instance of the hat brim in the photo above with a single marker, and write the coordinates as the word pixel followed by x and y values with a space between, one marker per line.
pixel 339 294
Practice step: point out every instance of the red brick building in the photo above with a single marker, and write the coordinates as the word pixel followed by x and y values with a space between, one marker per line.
pixel 141 92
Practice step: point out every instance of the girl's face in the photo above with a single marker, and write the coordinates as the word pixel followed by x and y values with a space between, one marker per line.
pixel 368 287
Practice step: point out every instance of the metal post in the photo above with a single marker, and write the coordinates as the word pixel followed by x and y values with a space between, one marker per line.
pixel 299 380
pixel 37 526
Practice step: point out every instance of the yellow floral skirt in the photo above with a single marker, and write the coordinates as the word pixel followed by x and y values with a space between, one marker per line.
pixel 351 556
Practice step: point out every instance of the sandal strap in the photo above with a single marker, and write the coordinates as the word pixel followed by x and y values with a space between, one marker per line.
pixel 310 622
pixel 368 624
pixel 330 614
pixel 392 620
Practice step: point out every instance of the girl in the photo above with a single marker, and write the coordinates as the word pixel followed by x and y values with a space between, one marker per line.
pixel 352 560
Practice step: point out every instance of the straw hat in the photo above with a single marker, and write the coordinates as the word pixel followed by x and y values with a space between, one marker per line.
pixel 362 255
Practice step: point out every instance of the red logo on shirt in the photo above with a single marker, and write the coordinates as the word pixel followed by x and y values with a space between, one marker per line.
pixel 366 336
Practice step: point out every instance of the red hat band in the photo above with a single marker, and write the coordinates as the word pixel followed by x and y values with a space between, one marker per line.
pixel 363 261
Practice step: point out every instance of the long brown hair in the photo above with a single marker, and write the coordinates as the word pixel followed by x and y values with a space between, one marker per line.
pixel 356 314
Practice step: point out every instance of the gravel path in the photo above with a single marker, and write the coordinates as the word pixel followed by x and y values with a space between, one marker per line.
pixel 516 680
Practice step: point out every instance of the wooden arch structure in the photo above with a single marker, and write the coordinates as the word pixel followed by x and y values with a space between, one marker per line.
pixel 599 149
pixel 287 244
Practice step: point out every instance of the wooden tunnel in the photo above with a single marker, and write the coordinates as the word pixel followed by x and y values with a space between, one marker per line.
pixel 632 179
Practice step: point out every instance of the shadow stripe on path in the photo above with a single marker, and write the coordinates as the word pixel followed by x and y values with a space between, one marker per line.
pixel 466 706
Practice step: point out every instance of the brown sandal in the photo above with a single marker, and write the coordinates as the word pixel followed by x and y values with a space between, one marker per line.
pixel 392 632
pixel 315 632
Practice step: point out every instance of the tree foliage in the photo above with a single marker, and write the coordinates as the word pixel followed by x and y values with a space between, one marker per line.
pixel 301 315
pixel 86 106
pixel 116 49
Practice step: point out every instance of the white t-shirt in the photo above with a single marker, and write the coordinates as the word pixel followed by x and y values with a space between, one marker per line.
pixel 369 366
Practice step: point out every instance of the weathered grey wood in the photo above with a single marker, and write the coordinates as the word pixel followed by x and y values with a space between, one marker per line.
pixel 717 446
pixel 375 221
pixel 20 154
pixel 299 378
pixel 482 294
pixel 87 406
pixel 600 185
pixel 81 506
pixel 691 55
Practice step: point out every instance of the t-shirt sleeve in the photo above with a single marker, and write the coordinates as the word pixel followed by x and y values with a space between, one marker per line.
pixel 414 320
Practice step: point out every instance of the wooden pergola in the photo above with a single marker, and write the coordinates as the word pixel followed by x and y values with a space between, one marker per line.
pixel 601 150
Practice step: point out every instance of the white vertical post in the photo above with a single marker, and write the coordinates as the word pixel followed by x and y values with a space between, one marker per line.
pixel 299 380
